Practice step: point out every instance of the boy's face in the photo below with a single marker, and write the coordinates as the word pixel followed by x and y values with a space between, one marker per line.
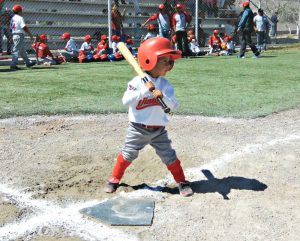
pixel 162 67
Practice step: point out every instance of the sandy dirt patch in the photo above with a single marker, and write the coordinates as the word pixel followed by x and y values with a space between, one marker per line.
pixel 245 174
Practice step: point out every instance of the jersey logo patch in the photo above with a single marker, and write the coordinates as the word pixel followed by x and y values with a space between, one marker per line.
pixel 145 103
pixel 130 87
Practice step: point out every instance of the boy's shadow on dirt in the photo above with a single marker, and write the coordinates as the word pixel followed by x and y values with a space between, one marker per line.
pixel 212 184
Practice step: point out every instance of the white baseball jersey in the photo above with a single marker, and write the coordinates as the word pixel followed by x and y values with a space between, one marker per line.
pixel 150 35
pixel 143 107
pixel 71 46
pixel 86 48
pixel 17 24
pixel 114 46
pixel 181 22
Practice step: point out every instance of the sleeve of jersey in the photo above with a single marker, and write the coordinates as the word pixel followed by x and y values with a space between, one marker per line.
pixel 169 98
pixel 243 19
pixel 136 91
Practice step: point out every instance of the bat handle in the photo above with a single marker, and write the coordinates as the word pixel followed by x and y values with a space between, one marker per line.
pixel 159 99
pixel 163 105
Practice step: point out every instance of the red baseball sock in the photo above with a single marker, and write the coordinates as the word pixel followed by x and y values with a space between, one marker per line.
pixel 119 169
pixel 177 171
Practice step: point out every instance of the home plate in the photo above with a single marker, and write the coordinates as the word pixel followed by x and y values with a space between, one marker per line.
pixel 123 212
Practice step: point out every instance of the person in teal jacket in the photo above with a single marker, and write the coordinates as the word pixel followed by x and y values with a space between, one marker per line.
pixel 246 27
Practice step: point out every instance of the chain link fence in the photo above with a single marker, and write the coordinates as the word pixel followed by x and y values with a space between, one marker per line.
pixel 93 17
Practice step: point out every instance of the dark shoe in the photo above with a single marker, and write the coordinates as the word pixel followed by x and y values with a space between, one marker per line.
pixel 110 187
pixel 30 65
pixel 185 189
pixel 14 68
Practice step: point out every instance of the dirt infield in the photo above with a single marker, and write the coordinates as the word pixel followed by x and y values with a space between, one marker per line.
pixel 245 174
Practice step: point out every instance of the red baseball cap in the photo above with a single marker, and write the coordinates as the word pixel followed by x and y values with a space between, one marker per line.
pixel 161 6
pixel 43 37
pixel 245 4
pixel 103 37
pixel 115 38
pixel 65 36
pixel 87 37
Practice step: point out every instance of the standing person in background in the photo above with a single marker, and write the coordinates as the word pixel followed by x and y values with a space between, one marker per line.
pixel 274 21
pixel 70 51
pixel 117 21
pixel 246 27
pixel 180 22
pixel 5 17
pixel 262 24
pixel 163 20
pixel 19 28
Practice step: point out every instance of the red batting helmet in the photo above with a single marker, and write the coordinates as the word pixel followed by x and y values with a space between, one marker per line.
pixel 245 4
pixel 43 37
pixel 87 38
pixel 17 8
pixel 66 36
pixel 152 49
pixel 161 7
pixel 103 37
pixel 216 31
pixel 115 38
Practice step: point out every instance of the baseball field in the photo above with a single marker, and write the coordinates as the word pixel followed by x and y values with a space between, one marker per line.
pixel 237 134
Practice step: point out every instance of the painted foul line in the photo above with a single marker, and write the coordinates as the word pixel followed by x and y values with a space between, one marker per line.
pixel 248 149
pixel 69 221
pixel 54 217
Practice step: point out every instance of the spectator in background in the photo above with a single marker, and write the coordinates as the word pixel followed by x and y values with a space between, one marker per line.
pixel 246 27
pixel 19 28
pixel 180 21
pixel 261 24
pixel 274 21
pixel 163 20
pixel 117 21
pixel 5 17
pixel 70 51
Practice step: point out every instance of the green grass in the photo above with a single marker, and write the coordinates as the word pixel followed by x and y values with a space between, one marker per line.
pixel 211 86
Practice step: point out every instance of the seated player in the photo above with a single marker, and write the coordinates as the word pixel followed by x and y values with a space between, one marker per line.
pixel 151 32
pixel 214 43
pixel 102 49
pixel 116 54
pixel 44 55
pixel 70 52
pixel 87 50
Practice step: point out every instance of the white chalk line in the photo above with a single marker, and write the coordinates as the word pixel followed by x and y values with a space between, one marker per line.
pixel 74 224
pixel 54 217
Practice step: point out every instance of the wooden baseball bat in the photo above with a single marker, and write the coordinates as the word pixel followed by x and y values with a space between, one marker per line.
pixel 131 60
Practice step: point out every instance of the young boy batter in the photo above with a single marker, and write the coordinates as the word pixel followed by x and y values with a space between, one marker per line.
pixel 147 119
